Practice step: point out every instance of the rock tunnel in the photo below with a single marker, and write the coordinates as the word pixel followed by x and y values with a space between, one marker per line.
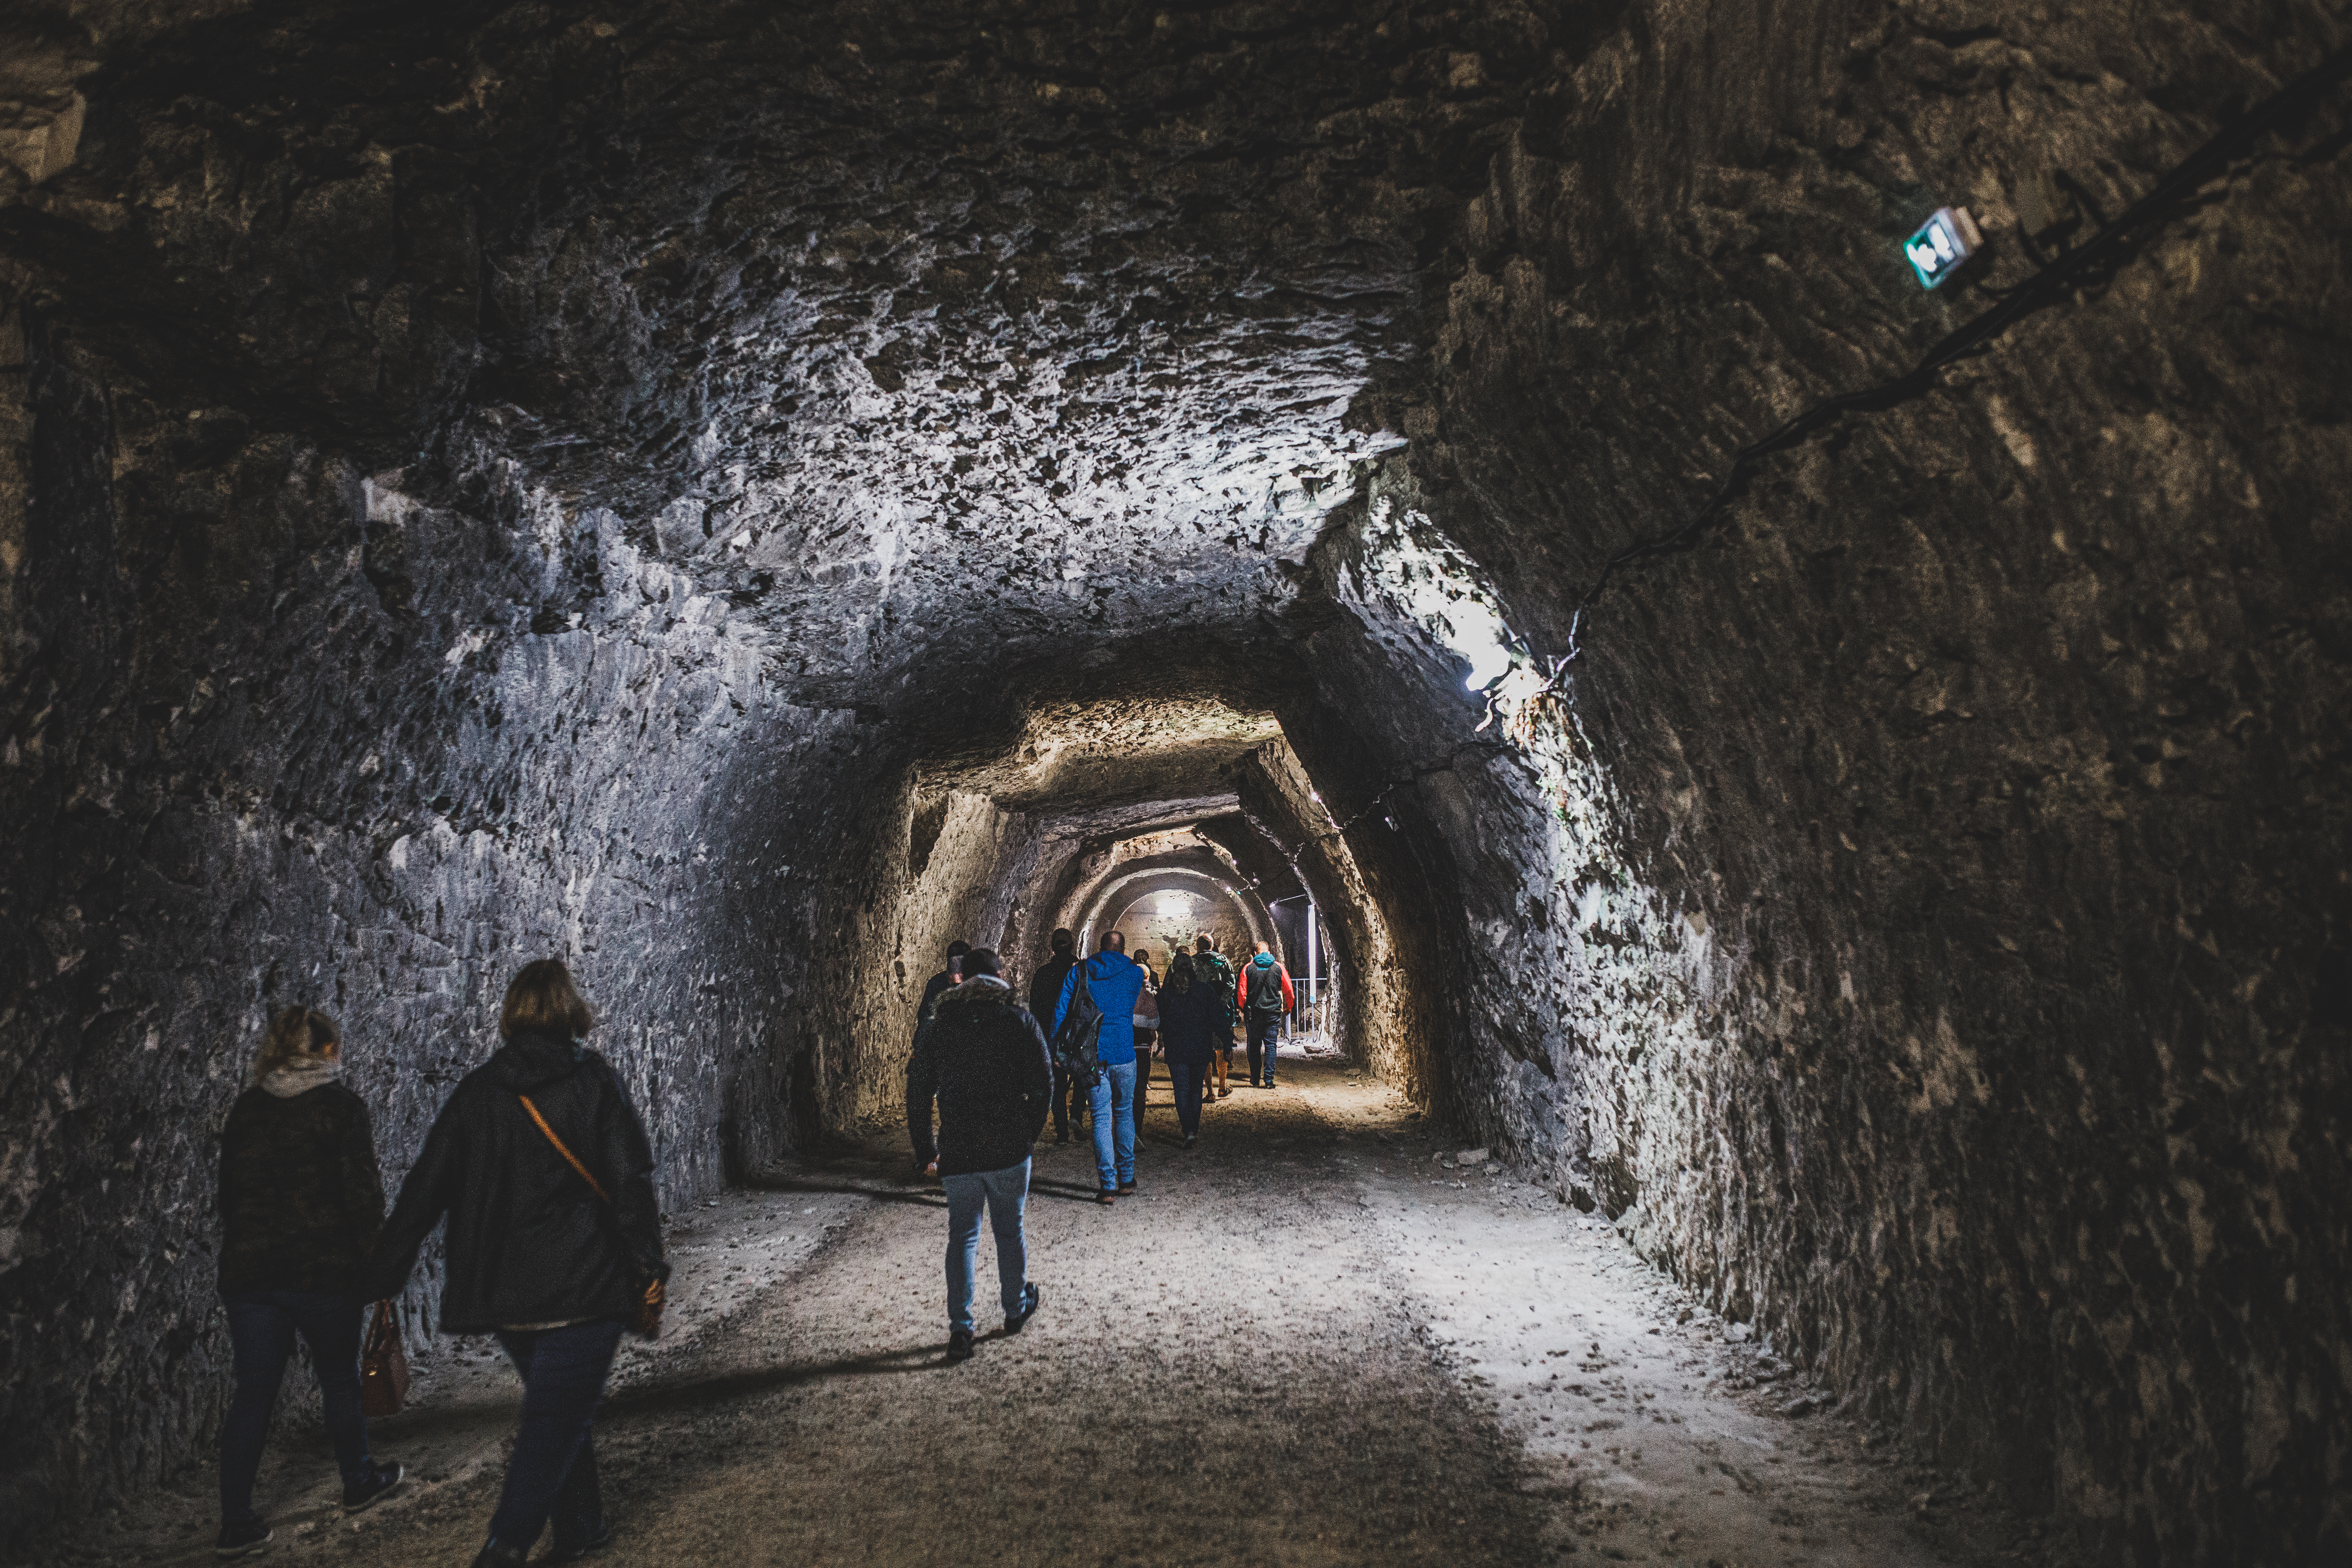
pixel 736 496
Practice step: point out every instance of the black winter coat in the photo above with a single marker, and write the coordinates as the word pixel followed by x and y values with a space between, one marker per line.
pixel 985 1056
pixel 1192 1024
pixel 528 1241
pixel 300 1199
pixel 1045 986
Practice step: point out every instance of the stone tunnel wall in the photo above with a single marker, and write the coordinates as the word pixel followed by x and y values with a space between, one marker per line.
pixel 1940 918
pixel 281 733
pixel 1922 922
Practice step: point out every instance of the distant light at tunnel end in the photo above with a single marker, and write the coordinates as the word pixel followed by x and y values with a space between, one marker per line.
pixel 1172 905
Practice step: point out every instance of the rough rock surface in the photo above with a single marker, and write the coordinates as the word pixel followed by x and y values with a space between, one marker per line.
pixel 739 501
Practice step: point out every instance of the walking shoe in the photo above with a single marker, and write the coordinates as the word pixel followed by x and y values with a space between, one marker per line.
pixel 959 1344
pixel 1107 1197
pixel 242 1540
pixel 373 1487
pixel 1029 1294
pixel 1125 1188
pixel 1191 1139
pixel 599 1536
pixel 493 1555
pixel 1062 1137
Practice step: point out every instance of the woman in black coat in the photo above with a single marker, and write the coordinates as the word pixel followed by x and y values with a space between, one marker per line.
pixel 299 1204
pixel 551 1248
pixel 1191 1017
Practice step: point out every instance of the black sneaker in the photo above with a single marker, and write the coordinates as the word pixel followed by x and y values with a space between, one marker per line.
pixel 241 1540
pixel 599 1537
pixel 1029 1294
pixel 376 1485
pixel 1062 1137
pixel 493 1555
pixel 1192 1138
pixel 1125 1188
pixel 959 1344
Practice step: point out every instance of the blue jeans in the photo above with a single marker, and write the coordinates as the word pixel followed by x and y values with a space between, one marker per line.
pixel 1113 1104
pixel 261 1329
pixel 1005 1193
pixel 1264 1029
pixel 553 1472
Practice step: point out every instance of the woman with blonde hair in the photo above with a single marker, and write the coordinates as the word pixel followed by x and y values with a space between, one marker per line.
pixel 554 1245
pixel 300 1202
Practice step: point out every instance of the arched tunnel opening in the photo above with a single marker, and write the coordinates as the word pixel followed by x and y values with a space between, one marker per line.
pixel 1821 797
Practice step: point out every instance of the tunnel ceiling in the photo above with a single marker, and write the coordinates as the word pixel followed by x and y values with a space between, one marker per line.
pixel 856 317
pixel 1115 766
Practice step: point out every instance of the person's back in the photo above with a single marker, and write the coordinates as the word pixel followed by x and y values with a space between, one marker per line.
pixel 1045 1003
pixel 1191 1017
pixel 1045 986
pixel 1192 1014
pixel 1266 1001
pixel 300 1208
pixel 985 1058
pixel 528 1241
pixel 1218 977
pixel 1115 982
pixel 300 1201
pixel 554 1244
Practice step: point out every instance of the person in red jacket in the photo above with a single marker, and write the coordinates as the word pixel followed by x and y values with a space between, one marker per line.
pixel 1265 999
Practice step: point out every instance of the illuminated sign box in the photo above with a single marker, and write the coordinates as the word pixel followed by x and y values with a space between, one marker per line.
pixel 1942 243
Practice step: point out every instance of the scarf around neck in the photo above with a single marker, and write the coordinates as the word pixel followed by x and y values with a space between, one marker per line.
pixel 300 1076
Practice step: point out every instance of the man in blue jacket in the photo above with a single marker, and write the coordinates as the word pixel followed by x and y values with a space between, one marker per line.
pixel 1115 982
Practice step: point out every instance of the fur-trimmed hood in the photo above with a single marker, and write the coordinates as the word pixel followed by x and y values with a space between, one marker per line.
pixel 978 990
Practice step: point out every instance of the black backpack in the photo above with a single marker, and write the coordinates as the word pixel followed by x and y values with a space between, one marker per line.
pixel 1074 1042
pixel 1266 987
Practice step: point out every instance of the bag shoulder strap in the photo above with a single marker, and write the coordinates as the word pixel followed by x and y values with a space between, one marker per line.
pixel 568 1158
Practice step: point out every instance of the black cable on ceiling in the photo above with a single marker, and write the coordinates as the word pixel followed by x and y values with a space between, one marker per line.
pixel 2110 247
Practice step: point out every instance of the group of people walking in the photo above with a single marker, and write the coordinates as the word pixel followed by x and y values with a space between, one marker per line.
pixel 1080 1053
pixel 542 1170
pixel 540 1167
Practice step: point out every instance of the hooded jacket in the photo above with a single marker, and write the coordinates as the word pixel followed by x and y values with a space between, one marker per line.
pixel 984 1055
pixel 1116 981
pixel 1259 977
pixel 300 1199
pixel 528 1241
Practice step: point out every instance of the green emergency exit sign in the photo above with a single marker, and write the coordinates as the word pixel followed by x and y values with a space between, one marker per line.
pixel 1942 243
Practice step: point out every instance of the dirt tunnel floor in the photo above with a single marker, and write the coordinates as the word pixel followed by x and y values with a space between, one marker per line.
pixel 1304 1342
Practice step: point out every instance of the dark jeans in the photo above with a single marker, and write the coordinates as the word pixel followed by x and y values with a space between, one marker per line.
pixel 261 1329
pixel 1005 1195
pixel 1264 1029
pixel 1189 1078
pixel 552 1471
pixel 1069 1099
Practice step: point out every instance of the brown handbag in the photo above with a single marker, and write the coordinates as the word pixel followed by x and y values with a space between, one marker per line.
pixel 384 1365
pixel 646 1323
